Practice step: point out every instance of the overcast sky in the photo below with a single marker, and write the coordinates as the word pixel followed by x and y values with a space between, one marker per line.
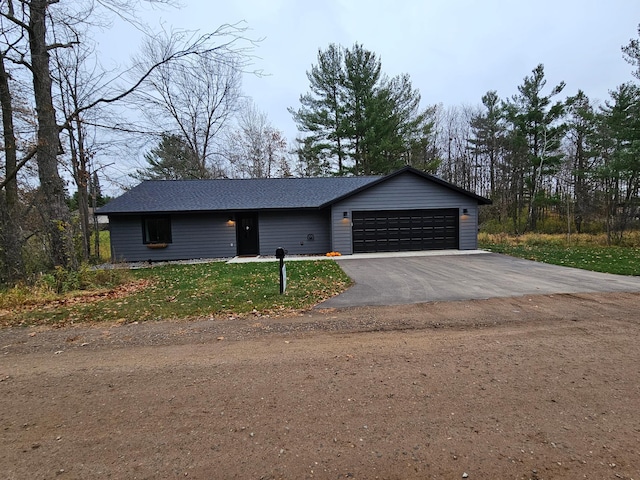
pixel 453 50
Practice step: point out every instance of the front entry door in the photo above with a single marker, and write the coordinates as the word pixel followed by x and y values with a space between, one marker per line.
pixel 247 233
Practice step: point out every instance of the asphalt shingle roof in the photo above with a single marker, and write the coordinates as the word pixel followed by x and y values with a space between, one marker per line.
pixel 232 194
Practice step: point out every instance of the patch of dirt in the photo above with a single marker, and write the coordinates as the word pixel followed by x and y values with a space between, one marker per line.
pixel 534 387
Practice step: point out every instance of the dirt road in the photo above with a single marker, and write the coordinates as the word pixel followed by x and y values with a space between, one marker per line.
pixel 536 387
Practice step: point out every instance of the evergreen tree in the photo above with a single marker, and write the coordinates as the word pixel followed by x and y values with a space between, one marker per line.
pixel 311 160
pixel 580 132
pixel 363 105
pixel 356 118
pixel 321 115
pixel 172 159
pixel 631 54
pixel 397 127
pixel 488 131
pixel 619 145
pixel 535 134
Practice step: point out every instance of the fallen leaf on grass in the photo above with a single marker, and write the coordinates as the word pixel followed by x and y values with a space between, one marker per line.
pixel 78 298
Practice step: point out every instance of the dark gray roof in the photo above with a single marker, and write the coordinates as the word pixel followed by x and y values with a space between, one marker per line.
pixel 165 196
pixel 235 195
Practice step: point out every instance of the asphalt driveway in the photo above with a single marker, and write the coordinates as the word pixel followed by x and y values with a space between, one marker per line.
pixel 397 280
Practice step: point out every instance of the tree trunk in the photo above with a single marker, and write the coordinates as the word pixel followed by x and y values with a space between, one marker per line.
pixel 81 177
pixel 579 181
pixel 11 246
pixel 54 207
pixel 338 127
pixel 96 229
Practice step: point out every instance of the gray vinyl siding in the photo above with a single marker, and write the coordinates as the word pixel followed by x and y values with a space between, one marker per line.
pixel 407 191
pixel 469 226
pixel 291 229
pixel 192 235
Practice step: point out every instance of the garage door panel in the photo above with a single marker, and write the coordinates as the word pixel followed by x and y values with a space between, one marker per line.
pixel 405 230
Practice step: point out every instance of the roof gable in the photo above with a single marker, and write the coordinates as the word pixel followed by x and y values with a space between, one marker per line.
pixel 410 170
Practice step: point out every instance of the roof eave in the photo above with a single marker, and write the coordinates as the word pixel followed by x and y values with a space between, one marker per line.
pixel 221 211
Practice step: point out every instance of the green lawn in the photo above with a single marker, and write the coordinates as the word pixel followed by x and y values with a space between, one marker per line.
pixel 608 259
pixel 183 291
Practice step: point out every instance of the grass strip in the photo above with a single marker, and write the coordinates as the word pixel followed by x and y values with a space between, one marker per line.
pixel 612 259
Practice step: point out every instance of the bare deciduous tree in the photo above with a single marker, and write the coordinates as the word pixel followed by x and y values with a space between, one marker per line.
pixel 193 97
pixel 75 88
pixel 255 149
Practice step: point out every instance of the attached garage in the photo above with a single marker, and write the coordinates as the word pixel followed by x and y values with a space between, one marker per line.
pixel 407 210
pixel 405 230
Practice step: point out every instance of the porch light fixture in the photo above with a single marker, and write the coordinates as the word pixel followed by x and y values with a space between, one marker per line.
pixel 465 211
pixel 345 214
pixel 230 220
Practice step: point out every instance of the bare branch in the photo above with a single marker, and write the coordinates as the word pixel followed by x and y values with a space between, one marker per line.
pixel 11 175
pixel 62 45
pixel 200 46
pixel 122 9
pixel 12 18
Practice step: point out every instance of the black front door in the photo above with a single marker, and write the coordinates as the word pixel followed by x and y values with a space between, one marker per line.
pixel 247 232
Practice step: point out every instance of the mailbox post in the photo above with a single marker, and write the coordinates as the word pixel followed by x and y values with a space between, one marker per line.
pixel 283 269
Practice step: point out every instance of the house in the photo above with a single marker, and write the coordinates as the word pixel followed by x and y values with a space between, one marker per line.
pixel 184 219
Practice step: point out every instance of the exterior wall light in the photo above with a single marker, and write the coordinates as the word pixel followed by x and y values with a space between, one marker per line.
pixel 465 211
pixel 345 214
pixel 230 220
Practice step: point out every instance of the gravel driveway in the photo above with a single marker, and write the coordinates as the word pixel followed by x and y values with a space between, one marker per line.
pixel 398 280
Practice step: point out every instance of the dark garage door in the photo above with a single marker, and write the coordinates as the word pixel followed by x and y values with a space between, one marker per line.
pixel 404 230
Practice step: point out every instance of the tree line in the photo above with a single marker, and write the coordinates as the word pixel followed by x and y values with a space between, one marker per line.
pixel 548 163
pixel 537 156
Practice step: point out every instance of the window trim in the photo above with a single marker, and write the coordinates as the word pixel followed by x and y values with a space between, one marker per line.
pixel 145 236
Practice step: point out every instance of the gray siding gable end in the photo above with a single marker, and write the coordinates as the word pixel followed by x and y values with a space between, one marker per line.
pixel 479 199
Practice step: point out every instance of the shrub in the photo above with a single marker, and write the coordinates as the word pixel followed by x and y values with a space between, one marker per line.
pixel 62 280
pixel 49 286
pixel 553 224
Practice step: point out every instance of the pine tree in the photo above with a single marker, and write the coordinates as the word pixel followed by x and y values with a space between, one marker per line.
pixel 488 130
pixel 631 54
pixel 172 159
pixel 535 134
pixel 356 118
pixel 619 145
pixel 321 115
pixel 580 131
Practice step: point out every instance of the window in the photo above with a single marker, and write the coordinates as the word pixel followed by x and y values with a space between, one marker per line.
pixel 156 230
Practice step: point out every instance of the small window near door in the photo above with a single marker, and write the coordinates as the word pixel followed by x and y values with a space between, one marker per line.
pixel 156 230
